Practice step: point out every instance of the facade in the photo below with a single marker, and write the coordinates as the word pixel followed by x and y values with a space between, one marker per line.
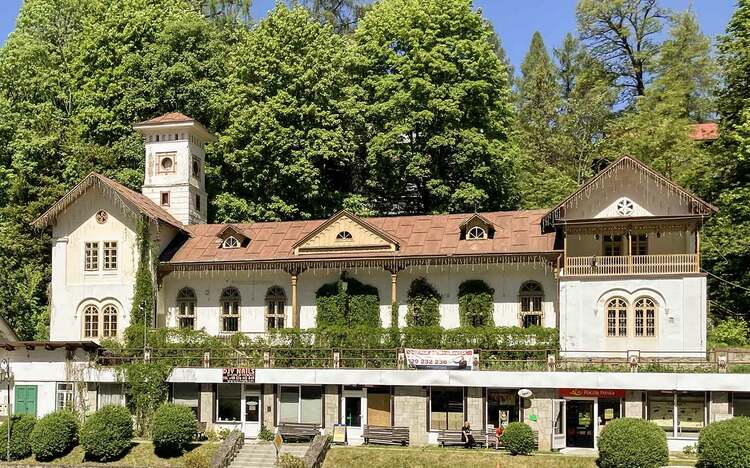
pixel 615 268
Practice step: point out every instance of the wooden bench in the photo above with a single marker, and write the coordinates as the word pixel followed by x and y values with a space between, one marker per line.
pixel 393 435
pixel 298 431
pixel 447 437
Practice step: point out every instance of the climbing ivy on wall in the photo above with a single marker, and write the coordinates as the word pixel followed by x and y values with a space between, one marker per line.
pixel 143 290
pixel 148 388
pixel 423 304
pixel 475 303
pixel 347 302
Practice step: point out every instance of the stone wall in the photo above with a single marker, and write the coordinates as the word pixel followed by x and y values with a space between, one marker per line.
pixel 269 417
pixel 539 407
pixel 475 407
pixel 719 405
pixel 633 404
pixel 331 407
pixel 207 404
pixel 410 409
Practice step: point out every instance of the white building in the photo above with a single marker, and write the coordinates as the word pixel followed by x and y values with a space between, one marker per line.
pixel 615 267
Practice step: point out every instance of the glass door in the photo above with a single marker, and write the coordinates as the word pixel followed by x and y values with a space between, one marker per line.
pixel 353 402
pixel 252 412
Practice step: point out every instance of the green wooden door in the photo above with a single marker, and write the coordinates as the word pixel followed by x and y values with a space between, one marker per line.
pixel 25 400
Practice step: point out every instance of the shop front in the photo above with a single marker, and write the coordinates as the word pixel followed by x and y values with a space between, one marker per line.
pixel 362 406
pixel 581 414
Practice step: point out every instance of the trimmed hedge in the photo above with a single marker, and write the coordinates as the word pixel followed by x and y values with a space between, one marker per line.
pixel 172 428
pixel 54 435
pixel 423 304
pixel 20 437
pixel 518 439
pixel 107 434
pixel 358 305
pixel 725 444
pixel 475 304
pixel 632 443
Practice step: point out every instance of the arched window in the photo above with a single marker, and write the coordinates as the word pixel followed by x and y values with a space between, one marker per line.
pixel 109 321
pixel 91 322
pixel 186 308
pixel 275 303
pixel 530 297
pixel 344 235
pixel 476 233
pixel 617 317
pixel 230 242
pixel 645 317
pixel 230 310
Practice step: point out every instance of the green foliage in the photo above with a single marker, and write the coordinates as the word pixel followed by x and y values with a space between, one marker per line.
pixel 729 332
pixel 287 460
pixel 518 439
pixel 143 290
pixel 172 428
pixel 423 303
pixel 725 444
pixel 505 338
pixel 195 459
pixel 21 428
pixel 347 303
pixel 632 443
pixel 147 384
pixel 107 434
pixel 475 304
pixel 265 434
pixel 54 435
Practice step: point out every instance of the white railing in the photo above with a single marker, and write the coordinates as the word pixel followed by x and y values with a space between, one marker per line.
pixel 631 265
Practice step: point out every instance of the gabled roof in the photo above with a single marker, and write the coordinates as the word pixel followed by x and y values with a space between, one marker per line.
pixel 169 117
pixel 479 217
pixel 704 131
pixel 341 214
pixel 233 229
pixel 699 206
pixel 174 119
pixel 133 200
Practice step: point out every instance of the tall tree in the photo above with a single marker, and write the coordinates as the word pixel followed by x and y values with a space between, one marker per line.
pixel 342 15
pixel 569 57
pixel 621 34
pixel 437 104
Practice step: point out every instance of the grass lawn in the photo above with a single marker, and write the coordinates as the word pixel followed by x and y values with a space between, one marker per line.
pixel 434 457
pixel 141 454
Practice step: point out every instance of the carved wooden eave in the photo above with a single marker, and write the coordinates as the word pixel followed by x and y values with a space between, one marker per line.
pixel 681 223
pixel 694 204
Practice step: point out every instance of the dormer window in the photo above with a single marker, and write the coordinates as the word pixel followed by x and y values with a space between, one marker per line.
pixel 476 233
pixel 344 236
pixel 230 242
pixel 625 206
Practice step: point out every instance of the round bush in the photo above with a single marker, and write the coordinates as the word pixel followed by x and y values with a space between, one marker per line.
pixel 54 435
pixel 20 437
pixel 172 428
pixel 107 434
pixel 518 438
pixel 632 443
pixel 725 444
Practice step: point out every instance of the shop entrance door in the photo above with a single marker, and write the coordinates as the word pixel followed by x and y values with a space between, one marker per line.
pixel 353 403
pixel 579 423
pixel 252 409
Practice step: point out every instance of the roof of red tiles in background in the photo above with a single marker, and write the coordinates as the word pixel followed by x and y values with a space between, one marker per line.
pixel 429 235
pixel 704 131
pixel 169 117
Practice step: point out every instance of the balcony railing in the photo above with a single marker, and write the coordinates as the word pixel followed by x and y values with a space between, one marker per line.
pixel 631 265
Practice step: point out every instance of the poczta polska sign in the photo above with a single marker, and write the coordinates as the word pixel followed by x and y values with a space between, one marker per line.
pixel 238 375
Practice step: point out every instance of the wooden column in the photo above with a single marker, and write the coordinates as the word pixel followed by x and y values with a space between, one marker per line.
pixel 394 289
pixel 697 250
pixel 295 308
pixel 630 253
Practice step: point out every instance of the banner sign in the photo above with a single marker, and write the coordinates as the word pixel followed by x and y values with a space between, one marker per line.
pixel 454 359
pixel 591 392
pixel 238 375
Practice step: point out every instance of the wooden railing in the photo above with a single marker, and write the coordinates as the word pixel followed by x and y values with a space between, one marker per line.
pixel 631 265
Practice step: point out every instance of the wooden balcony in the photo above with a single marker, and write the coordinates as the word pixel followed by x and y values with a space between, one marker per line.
pixel 596 265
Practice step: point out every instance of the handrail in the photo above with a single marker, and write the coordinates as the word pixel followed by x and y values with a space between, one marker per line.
pixel 601 265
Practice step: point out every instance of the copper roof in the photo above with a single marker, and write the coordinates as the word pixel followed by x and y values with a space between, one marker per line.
pixel 170 117
pixel 136 201
pixel 516 232
pixel 704 131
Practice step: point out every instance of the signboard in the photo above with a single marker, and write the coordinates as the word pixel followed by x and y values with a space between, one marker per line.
pixel 339 434
pixel 453 359
pixel 591 392
pixel 238 375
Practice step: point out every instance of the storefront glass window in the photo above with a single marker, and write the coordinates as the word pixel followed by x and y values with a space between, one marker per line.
pixel 288 404
pixel 312 410
pixel 446 408
pixel 502 406
pixel 229 402
pixel 691 413
pixel 661 411
pixel 110 394
pixel 741 404
pixel 609 409
pixel 301 404
pixel 187 394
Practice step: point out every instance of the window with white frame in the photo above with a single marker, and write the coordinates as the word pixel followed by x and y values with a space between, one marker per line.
pixel 645 317
pixel 301 404
pixel 64 396
pixel 679 414
pixel 91 256
pixel 275 304
pixel 186 302
pixel 110 255
pixel 344 236
pixel 109 321
pixel 617 317
pixel 91 321
pixel 476 233
pixel 230 310
pixel 530 297
pixel 230 242
pixel 446 408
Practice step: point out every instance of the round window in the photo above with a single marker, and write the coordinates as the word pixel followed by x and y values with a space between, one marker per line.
pixel 166 164
pixel 101 216
pixel 625 206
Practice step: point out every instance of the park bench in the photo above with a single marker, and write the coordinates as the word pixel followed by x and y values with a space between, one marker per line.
pixel 394 435
pixel 447 437
pixel 298 431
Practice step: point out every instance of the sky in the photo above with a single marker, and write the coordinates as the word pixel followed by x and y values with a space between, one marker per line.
pixel 514 20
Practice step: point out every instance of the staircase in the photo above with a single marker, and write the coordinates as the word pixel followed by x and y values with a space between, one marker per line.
pixel 263 454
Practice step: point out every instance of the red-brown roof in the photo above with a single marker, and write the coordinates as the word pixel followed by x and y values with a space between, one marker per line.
pixel 138 201
pixel 169 117
pixel 704 131
pixel 516 232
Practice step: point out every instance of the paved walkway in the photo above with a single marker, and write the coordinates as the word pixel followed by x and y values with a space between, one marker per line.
pixel 256 454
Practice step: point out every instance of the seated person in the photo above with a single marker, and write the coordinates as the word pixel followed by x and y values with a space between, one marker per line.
pixel 466 436
pixel 498 433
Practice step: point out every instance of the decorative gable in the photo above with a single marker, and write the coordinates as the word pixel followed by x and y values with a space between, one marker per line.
pixel 232 237
pixel 345 232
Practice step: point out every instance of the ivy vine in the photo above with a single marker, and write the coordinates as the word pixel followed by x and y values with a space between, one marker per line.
pixel 475 304
pixel 423 304
pixel 347 302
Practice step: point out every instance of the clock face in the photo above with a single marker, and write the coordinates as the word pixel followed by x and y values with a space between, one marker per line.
pixel 625 207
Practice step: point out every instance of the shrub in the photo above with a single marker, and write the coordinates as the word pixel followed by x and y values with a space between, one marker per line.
pixel 287 460
pixel 195 459
pixel 265 434
pixel 20 437
pixel 730 332
pixel 725 444
pixel 475 304
pixel 54 435
pixel 632 443
pixel 108 433
pixel 423 304
pixel 518 438
pixel 173 428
